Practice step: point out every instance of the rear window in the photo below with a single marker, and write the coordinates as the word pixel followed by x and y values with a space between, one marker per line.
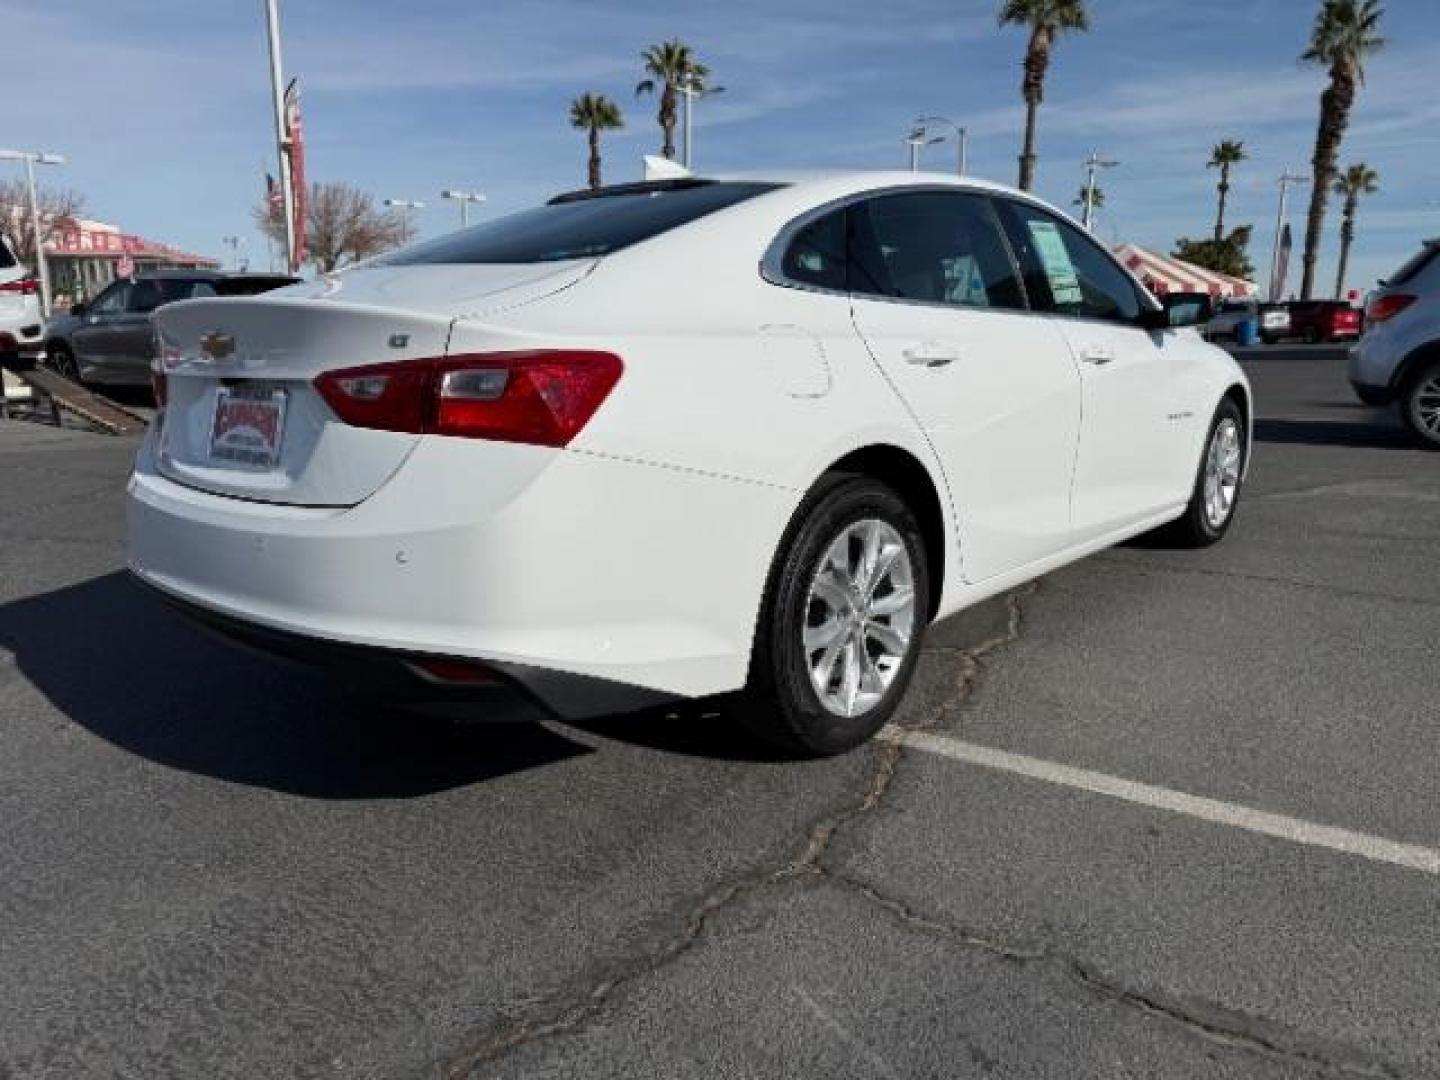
pixel 251 286
pixel 7 258
pixel 1415 264
pixel 580 227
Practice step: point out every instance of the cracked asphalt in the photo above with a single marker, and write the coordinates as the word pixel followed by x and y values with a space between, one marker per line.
pixel 213 863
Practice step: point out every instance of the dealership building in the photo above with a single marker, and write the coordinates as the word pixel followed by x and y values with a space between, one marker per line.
pixel 85 256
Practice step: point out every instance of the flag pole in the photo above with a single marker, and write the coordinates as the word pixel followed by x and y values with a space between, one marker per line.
pixel 282 142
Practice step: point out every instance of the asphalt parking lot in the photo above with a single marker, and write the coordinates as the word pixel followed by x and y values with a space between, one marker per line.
pixel 1160 814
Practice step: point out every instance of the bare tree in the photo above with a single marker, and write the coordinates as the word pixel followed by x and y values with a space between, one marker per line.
pixel 343 226
pixel 58 211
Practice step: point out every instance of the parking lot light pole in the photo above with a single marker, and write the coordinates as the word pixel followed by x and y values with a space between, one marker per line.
pixel 1287 180
pixel 464 198
pixel 31 159
pixel 282 143
pixel 408 208
pixel 962 138
pixel 917 140
pixel 1093 164
pixel 687 88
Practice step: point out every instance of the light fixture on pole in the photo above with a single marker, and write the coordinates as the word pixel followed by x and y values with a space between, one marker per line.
pixel 464 198
pixel 962 138
pixel 408 208
pixel 690 91
pixel 1093 164
pixel 1287 180
pixel 233 243
pixel 917 140
pixel 31 159
pixel 282 140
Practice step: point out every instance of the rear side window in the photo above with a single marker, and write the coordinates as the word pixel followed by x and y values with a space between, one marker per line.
pixel 7 257
pixel 1065 271
pixel 935 247
pixel 816 256
pixel 584 227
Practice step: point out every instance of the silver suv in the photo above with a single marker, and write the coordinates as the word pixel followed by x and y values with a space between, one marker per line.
pixel 1397 360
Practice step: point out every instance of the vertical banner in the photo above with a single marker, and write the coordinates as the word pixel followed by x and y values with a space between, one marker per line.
pixel 295 145
pixel 1282 265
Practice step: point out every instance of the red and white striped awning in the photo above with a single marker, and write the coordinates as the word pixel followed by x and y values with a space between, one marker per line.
pixel 1165 273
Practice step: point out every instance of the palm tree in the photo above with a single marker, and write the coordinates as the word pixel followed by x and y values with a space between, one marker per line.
pixel 1223 156
pixel 670 65
pixel 592 114
pixel 1046 20
pixel 1359 179
pixel 1343 37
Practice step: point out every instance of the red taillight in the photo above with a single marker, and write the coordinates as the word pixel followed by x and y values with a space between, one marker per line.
pixel 543 397
pixel 1387 306
pixel 25 286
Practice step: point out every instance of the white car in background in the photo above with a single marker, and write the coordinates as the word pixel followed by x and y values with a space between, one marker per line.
pixel 21 324
pixel 1272 321
pixel 678 439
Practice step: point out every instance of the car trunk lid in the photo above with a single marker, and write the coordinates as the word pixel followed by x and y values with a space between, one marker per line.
pixel 243 417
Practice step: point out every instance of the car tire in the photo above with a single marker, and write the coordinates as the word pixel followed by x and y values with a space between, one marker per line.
pixel 62 360
pixel 1218 480
pixel 1420 404
pixel 836 644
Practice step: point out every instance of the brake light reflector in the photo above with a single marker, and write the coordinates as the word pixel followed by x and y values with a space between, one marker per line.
pixel 542 397
pixel 1387 307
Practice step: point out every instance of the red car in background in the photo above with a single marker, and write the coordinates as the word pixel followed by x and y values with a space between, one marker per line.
pixel 1324 320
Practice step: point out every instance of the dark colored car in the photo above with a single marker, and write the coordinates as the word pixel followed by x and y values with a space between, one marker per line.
pixel 1324 320
pixel 110 341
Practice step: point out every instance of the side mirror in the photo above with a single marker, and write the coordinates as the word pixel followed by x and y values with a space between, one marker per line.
pixel 1178 310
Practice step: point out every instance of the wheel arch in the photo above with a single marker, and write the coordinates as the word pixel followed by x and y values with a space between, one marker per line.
pixel 1406 369
pixel 1240 394
pixel 907 474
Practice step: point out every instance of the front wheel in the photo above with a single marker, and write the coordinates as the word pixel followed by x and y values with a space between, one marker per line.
pixel 1420 405
pixel 62 360
pixel 841 624
pixel 1216 492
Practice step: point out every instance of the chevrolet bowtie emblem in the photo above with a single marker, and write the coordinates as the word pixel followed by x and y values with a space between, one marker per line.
pixel 217 346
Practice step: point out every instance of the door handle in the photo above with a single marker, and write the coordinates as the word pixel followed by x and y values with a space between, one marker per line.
pixel 930 354
pixel 1097 355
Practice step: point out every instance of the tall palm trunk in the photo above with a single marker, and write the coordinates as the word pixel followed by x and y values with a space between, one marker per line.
pixel 1032 88
pixel 594 158
pixel 667 120
pixel 1347 237
pixel 1224 194
pixel 1335 105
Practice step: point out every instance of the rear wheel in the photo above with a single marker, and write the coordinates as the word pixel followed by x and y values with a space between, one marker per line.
pixel 1217 484
pixel 841 625
pixel 1420 404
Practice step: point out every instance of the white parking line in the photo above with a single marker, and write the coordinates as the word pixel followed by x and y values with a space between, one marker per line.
pixel 1376 848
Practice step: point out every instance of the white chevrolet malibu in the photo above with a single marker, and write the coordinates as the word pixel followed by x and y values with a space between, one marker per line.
pixel 679 439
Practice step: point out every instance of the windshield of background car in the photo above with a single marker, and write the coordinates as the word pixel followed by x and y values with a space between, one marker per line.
pixel 584 227
pixel 1414 264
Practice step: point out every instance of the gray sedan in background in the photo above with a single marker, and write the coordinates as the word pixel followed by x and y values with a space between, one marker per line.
pixel 110 341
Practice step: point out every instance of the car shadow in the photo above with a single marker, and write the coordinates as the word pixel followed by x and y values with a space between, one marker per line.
pixel 1356 433
pixel 121 664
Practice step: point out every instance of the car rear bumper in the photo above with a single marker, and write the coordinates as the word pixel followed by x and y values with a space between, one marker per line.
pixel 539 563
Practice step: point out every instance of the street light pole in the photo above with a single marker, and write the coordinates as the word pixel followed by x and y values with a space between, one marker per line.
pixel 1287 178
pixel 962 138
pixel 282 144
pixel 408 207
pixel 31 159
pixel 687 88
pixel 464 198
pixel 1093 164
pixel 917 141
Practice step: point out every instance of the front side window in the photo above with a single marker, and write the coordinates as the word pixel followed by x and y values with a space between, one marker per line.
pixel 112 300
pixel 585 226
pixel 932 246
pixel 1065 271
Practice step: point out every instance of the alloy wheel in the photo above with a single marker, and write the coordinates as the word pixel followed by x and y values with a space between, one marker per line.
pixel 1223 461
pixel 1425 406
pixel 859 617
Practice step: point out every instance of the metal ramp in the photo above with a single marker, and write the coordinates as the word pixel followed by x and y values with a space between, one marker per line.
pixel 63 395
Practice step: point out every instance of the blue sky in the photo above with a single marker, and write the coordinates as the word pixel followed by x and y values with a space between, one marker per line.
pixel 162 105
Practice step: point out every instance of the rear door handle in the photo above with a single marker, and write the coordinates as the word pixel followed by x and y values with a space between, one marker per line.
pixel 1097 355
pixel 930 354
